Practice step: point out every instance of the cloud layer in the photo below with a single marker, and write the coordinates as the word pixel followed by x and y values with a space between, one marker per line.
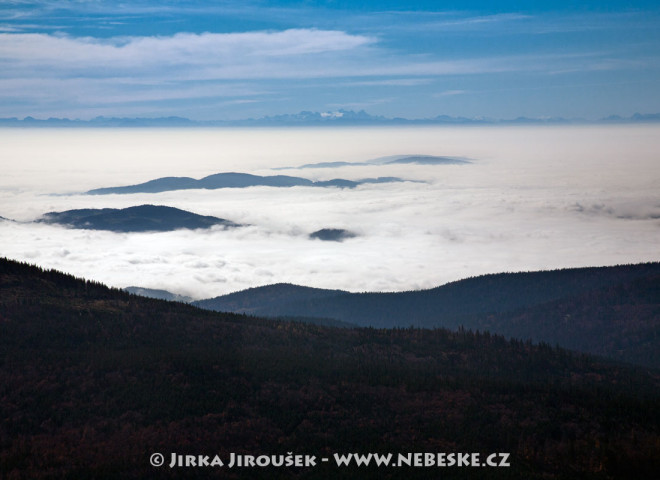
pixel 533 198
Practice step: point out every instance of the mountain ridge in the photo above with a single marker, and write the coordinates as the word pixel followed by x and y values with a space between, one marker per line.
pixel 232 180
pixel 489 302
pixel 158 293
pixel 141 218
pixel 309 118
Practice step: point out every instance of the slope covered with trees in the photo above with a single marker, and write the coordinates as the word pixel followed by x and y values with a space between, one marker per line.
pixel 612 311
pixel 94 380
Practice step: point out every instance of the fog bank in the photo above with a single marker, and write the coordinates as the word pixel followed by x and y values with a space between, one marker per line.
pixel 532 198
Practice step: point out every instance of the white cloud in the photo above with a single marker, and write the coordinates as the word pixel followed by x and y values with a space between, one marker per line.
pixel 128 62
pixel 86 55
pixel 113 90
pixel 480 21
pixel 534 198
pixel 56 75
pixel 296 53
pixel 201 75
pixel 450 93
pixel 391 82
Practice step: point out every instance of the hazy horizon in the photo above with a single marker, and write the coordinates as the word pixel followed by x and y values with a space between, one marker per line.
pixel 532 198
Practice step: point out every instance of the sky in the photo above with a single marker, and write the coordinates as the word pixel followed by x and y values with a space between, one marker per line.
pixel 235 59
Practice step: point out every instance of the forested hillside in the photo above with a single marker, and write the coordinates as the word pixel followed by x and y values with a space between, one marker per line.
pixel 94 380
pixel 611 311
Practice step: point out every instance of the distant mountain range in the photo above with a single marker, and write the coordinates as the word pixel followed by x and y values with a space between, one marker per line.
pixel 610 311
pixel 426 160
pixel 389 160
pixel 340 117
pixel 143 218
pixel 233 180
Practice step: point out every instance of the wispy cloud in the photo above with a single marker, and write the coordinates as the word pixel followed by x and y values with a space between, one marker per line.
pixel 85 55
pixel 391 82
pixel 359 105
pixel 23 27
pixel 471 22
pixel 450 93
pixel 55 70
pixel 448 21
pixel 298 53
pixel 42 69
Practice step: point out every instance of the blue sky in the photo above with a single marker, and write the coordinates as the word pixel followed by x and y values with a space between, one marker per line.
pixel 416 59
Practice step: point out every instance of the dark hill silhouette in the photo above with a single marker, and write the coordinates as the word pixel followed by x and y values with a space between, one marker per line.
pixel 158 293
pixel 428 160
pixel 232 180
pixel 279 296
pixel 390 160
pixel 331 165
pixel 242 180
pixel 489 301
pixel 93 381
pixel 143 218
pixel 332 234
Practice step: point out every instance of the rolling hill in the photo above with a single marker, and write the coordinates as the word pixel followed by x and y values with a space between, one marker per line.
pixel 142 218
pixel 612 311
pixel 232 180
pixel 158 293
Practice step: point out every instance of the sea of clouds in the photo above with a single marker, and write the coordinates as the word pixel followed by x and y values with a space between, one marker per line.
pixel 531 198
